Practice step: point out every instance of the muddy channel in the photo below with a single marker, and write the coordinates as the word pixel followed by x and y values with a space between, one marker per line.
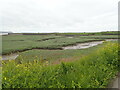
pixel 78 46
pixel 83 45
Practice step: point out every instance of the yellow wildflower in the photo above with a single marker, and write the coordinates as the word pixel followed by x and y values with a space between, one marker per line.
pixel 5 78
pixel 17 65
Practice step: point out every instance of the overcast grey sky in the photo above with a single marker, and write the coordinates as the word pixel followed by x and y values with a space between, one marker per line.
pixel 58 15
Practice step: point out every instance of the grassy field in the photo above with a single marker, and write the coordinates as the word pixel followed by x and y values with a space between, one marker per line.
pixel 16 43
pixel 81 34
pixel 88 34
pixel 54 56
pixel 94 70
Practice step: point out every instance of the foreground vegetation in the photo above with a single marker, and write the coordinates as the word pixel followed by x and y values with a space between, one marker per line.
pixel 91 71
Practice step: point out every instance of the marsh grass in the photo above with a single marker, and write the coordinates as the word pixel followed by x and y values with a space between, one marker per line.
pixel 54 56
pixel 19 43
pixel 92 71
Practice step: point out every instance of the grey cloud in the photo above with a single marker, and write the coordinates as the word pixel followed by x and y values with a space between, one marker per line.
pixel 58 15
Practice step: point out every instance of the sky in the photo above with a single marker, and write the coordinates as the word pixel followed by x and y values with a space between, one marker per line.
pixel 58 15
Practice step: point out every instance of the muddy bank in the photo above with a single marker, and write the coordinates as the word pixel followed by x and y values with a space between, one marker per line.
pixel 9 57
pixel 17 40
pixel 15 54
pixel 79 46
pixel 45 39
pixel 87 44
pixel 46 48
pixel 23 50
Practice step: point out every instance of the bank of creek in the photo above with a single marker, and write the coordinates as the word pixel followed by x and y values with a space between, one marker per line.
pixel 78 46
pixel 113 84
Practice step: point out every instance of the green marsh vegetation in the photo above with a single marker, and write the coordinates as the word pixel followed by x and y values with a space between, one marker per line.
pixel 17 43
pixel 54 56
pixel 86 68
pixel 92 71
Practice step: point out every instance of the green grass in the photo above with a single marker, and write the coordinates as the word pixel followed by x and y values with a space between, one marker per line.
pixel 94 33
pixel 54 55
pixel 92 71
pixel 101 36
pixel 0 76
pixel 16 43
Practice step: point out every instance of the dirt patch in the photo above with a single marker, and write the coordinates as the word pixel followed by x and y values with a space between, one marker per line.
pixel 115 83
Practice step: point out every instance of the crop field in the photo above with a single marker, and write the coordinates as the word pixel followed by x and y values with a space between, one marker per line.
pixel 42 63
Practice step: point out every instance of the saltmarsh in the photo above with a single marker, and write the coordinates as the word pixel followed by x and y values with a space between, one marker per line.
pixel 16 43
pixel 94 70
pixel 54 56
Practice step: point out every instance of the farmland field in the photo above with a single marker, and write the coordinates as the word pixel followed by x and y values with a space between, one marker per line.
pixel 42 63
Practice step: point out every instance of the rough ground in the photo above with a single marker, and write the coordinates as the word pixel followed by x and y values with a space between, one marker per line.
pixel 115 83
